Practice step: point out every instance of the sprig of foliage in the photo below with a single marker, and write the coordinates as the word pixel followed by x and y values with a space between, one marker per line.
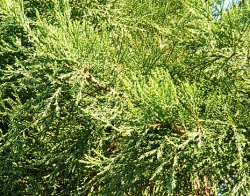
pixel 124 98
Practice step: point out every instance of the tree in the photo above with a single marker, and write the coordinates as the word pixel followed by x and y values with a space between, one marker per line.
pixel 124 98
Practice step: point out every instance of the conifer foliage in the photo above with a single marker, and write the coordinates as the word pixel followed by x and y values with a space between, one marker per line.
pixel 116 97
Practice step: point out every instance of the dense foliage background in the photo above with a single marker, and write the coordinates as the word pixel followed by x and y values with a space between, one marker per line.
pixel 116 97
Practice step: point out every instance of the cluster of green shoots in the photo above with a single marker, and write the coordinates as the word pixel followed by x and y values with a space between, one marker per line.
pixel 117 97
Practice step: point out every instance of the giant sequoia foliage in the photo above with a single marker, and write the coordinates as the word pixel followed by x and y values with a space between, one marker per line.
pixel 116 97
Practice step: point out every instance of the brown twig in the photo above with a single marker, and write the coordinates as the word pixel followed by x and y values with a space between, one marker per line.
pixel 93 80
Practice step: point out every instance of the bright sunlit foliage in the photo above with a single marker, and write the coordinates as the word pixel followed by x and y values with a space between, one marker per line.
pixel 118 97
